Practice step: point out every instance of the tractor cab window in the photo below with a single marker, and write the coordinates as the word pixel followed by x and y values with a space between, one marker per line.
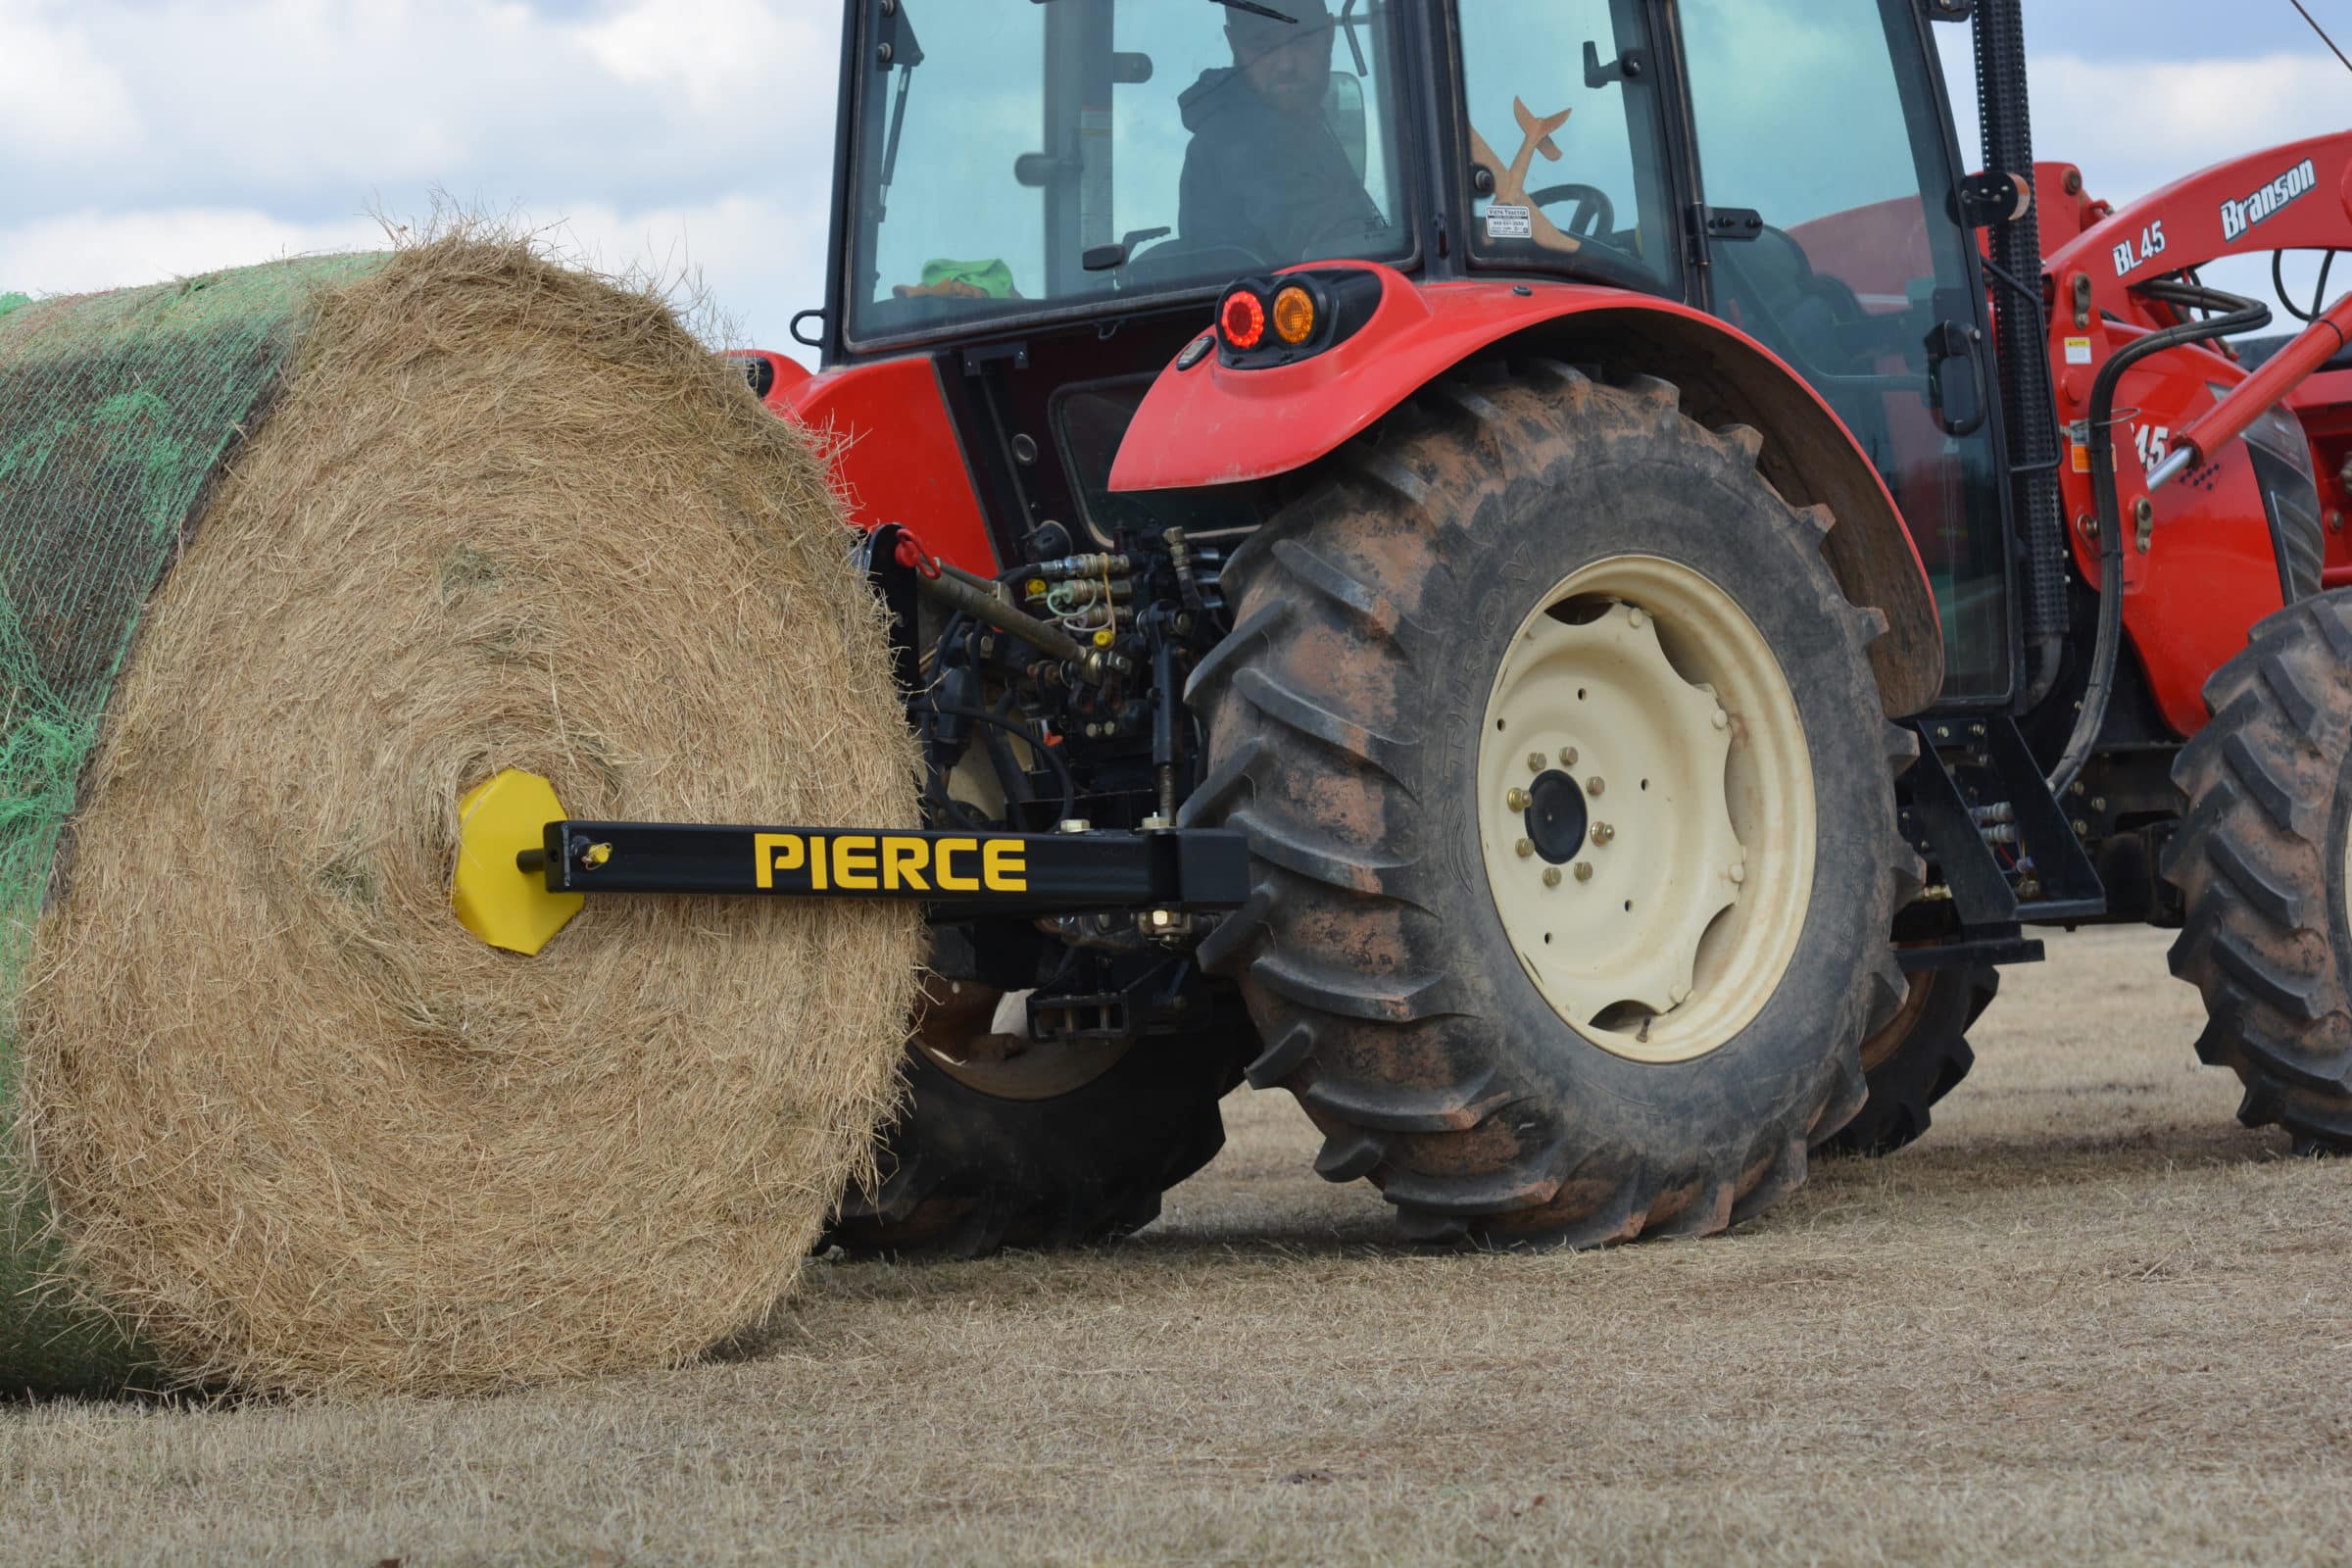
pixel 1566 141
pixel 1821 118
pixel 1014 158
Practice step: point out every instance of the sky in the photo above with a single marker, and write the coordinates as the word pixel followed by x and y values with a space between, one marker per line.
pixel 143 139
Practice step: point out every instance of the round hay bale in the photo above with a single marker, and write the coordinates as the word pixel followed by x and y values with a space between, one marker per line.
pixel 275 1112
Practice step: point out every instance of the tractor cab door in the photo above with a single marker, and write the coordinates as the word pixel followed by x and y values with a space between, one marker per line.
pixel 1826 120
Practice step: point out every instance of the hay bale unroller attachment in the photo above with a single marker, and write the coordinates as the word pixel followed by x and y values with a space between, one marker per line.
pixel 293 561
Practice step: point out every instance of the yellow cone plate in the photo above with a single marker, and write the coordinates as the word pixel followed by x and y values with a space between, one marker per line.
pixel 504 906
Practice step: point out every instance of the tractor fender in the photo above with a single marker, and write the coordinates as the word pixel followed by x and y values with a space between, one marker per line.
pixel 887 434
pixel 1213 425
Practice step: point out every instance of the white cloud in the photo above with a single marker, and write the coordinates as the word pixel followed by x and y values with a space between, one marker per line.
pixel 78 252
pixel 144 138
pixel 58 97
pixel 720 54
pixel 755 262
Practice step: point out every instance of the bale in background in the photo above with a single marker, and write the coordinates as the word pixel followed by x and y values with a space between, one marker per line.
pixel 288 1120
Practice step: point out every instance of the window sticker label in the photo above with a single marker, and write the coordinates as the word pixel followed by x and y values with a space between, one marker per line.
pixel 1505 221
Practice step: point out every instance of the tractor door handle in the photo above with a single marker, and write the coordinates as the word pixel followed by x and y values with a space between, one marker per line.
pixel 1960 406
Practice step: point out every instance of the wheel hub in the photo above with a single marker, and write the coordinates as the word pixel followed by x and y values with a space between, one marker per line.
pixel 1648 847
pixel 1555 818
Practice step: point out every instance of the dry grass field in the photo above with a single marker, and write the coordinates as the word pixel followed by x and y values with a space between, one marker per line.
pixel 2089 1320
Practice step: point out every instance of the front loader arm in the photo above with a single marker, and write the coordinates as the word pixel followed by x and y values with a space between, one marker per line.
pixel 2292 197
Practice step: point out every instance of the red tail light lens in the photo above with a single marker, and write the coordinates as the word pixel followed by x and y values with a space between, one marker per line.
pixel 1242 320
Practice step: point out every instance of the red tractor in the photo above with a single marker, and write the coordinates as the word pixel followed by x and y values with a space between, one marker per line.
pixel 1668 596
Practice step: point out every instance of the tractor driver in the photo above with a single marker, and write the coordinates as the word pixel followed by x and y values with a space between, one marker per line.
pixel 1265 173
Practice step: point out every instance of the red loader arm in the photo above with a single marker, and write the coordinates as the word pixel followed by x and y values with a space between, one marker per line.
pixel 2202 567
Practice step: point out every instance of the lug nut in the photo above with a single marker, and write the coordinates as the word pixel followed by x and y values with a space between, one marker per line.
pixel 1526 848
pixel 1551 876
pixel 1517 799
pixel 1603 832
pixel 1584 871
pixel 1537 761
pixel 1595 785
pixel 1568 758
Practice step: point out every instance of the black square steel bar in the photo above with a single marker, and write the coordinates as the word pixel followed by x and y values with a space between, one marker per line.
pixel 1182 869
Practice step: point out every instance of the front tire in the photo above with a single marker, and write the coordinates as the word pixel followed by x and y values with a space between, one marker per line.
pixel 1001 1142
pixel 1916 1058
pixel 2260 861
pixel 1588 563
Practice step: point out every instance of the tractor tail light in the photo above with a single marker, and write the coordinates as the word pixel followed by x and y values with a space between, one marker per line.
pixel 1294 316
pixel 1242 320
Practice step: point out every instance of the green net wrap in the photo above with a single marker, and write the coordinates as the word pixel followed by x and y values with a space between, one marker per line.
pixel 117 413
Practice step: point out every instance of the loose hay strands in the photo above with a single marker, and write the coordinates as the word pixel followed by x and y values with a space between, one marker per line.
pixel 297 1125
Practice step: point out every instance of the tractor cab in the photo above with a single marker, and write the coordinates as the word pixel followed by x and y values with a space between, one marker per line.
pixel 1049 200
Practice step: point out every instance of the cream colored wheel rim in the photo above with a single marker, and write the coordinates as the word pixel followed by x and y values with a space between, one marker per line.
pixel 1640 694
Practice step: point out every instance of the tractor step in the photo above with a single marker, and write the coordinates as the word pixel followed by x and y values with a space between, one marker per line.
pixel 1999 845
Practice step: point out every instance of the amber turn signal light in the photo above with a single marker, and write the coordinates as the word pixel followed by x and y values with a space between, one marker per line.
pixel 1242 320
pixel 1294 316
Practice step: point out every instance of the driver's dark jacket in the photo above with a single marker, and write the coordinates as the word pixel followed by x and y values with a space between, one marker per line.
pixel 1277 185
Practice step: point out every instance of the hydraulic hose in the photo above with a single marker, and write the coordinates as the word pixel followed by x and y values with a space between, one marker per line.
pixel 952 590
pixel 2241 315
pixel 1027 737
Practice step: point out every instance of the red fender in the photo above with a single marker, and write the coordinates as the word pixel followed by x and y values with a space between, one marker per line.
pixel 1211 425
pixel 894 452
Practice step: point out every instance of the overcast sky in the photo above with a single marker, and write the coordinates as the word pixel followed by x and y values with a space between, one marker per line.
pixel 141 139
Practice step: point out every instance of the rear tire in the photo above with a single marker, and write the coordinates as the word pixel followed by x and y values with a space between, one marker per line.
pixel 1393 956
pixel 2260 861
pixel 1916 1058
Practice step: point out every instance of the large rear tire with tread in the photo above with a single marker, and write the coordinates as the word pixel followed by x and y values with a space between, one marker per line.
pixel 1497 1086
pixel 1916 1058
pixel 987 1154
pixel 2260 861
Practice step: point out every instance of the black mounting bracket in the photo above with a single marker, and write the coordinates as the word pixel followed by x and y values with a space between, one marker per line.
pixel 2000 846
pixel 1629 65
pixel 1718 223
pixel 1981 201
